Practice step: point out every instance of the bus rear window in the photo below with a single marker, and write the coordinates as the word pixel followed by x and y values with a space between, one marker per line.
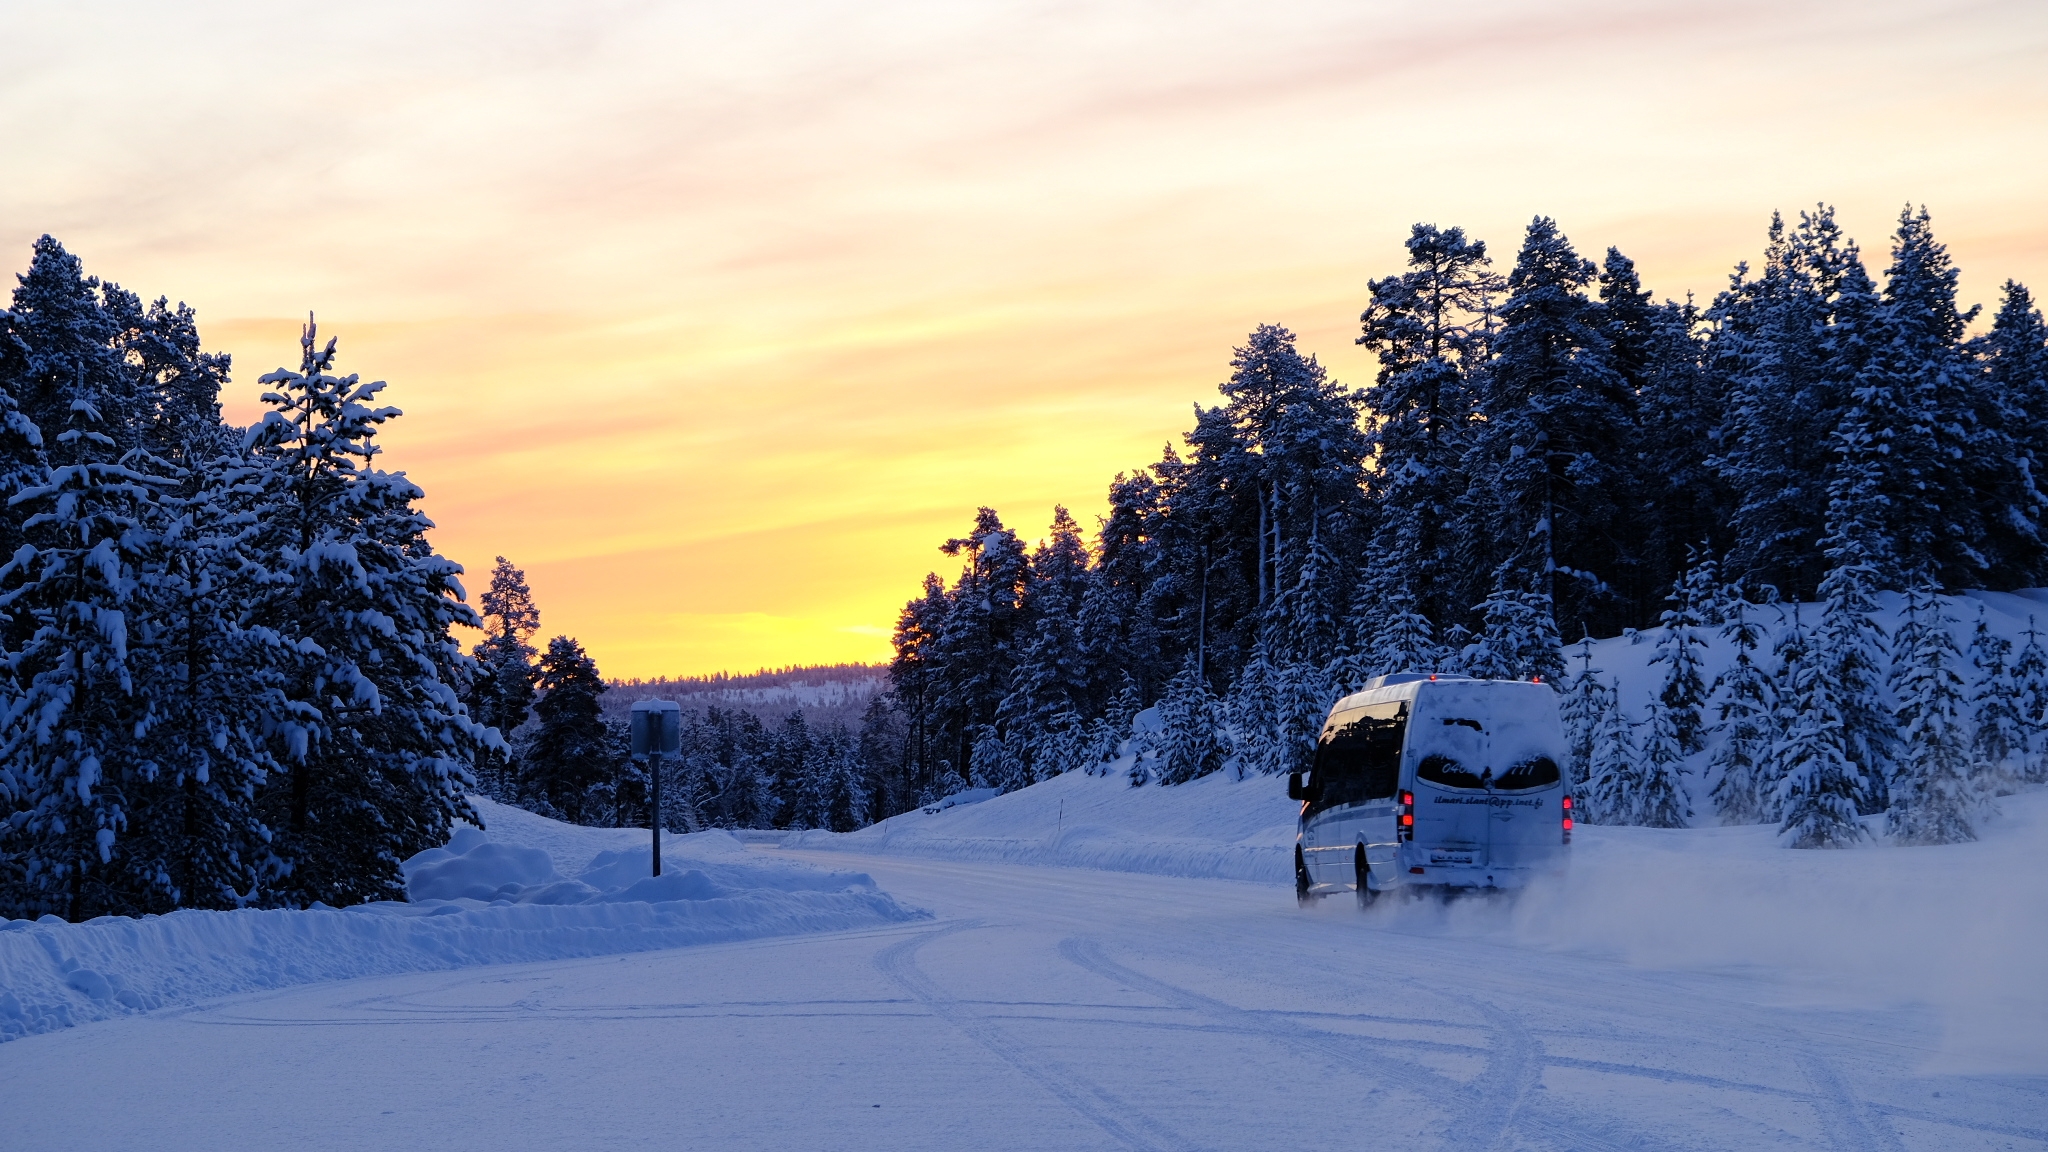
pixel 1360 758
pixel 1535 772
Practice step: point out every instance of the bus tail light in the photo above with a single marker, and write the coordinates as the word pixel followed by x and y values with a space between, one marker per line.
pixel 1407 822
pixel 1567 819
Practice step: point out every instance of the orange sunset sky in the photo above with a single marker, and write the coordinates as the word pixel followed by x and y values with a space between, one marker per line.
pixel 719 317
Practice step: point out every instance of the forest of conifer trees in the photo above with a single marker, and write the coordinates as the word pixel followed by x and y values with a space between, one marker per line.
pixel 230 679
pixel 1544 455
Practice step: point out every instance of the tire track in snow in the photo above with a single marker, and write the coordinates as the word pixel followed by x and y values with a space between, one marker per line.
pixel 1841 1117
pixel 1516 1059
pixel 899 963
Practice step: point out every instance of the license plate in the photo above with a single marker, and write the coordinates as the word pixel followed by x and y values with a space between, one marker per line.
pixel 1450 857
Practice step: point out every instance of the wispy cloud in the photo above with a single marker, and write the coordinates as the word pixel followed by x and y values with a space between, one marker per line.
pixel 719 317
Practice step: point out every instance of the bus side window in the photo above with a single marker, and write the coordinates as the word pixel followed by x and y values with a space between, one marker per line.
pixel 1361 759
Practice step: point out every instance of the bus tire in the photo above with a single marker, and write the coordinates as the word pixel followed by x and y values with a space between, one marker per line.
pixel 1301 881
pixel 1363 872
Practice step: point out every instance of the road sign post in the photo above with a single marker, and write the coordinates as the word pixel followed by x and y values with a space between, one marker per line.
pixel 657 734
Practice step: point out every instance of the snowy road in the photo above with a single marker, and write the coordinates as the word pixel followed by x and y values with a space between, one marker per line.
pixel 1044 1008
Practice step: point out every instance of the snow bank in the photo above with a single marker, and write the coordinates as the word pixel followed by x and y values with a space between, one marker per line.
pixel 488 898
pixel 1212 827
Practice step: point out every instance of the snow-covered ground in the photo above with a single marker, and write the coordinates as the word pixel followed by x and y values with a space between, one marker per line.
pixel 1109 967
pixel 502 897
pixel 1084 1009
pixel 1962 928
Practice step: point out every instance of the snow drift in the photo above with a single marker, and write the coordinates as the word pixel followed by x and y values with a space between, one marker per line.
pixel 487 898
pixel 1213 827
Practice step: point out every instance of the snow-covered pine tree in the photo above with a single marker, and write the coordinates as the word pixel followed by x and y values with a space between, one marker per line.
pixel 1304 699
pixel 1428 328
pixel 214 683
pixel 501 693
pixel 1793 652
pixel 1051 679
pixel 379 749
pixel 1933 800
pixel 73 769
pixel 1818 787
pixel 1109 731
pixel 1817 783
pixel 1684 690
pixel 1746 700
pixel 1786 390
pixel 835 796
pixel 1065 744
pixel 570 751
pixel 1520 640
pixel 1660 800
pixel 997 763
pixel 1849 646
pixel 23 462
pixel 1253 709
pixel 1585 703
pixel 1615 776
pixel 1188 743
pixel 1550 470
pixel 1997 732
pixel 1394 636
pixel 2030 676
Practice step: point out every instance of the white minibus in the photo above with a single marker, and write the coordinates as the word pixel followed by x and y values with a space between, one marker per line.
pixel 1426 779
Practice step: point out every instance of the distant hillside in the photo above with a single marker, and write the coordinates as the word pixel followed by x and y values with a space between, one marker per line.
pixel 827 693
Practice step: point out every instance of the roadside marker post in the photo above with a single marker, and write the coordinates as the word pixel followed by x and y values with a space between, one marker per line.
pixel 657 735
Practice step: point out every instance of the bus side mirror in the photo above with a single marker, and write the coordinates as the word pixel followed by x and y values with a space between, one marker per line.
pixel 1294 785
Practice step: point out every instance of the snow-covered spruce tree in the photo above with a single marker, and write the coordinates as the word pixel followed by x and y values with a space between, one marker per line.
pixel 23 462
pixel 997 763
pixel 1253 710
pixel 1778 351
pixel 1659 800
pixel 1684 690
pixel 1305 695
pixel 1189 743
pixel 1428 328
pixel 1849 646
pixel 1106 735
pixel 1613 781
pixel 501 693
pixel 1933 800
pixel 1585 703
pixel 1393 636
pixel 1050 683
pixel 1064 744
pixel 835 796
pixel 215 683
pixel 1520 640
pixel 1817 783
pixel 72 765
pixel 1793 652
pixel 1745 700
pixel 2030 676
pixel 1551 468
pixel 1997 731
pixel 378 749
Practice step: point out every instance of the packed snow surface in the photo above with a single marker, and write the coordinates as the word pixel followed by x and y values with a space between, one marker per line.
pixel 487 898
pixel 1962 929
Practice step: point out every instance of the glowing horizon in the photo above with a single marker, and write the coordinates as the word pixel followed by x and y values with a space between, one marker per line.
pixel 719 320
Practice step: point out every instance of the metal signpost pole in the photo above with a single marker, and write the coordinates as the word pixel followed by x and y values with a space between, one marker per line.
pixel 657 733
